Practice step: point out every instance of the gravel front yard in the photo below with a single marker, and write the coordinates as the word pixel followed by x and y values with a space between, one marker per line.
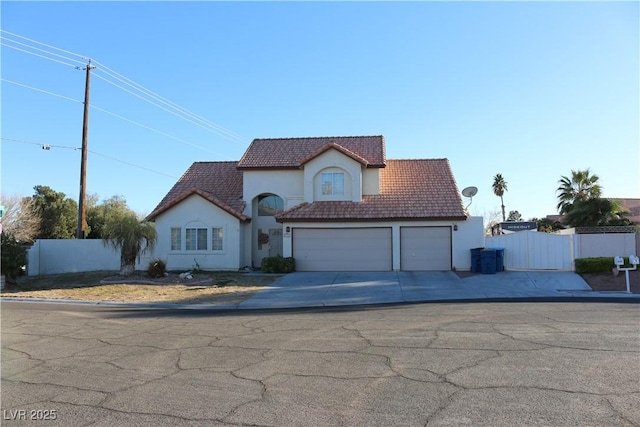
pixel 206 288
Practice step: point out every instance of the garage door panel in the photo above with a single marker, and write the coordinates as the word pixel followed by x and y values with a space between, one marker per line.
pixel 425 248
pixel 351 249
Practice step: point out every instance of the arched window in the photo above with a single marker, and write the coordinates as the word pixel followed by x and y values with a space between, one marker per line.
pixel 270 205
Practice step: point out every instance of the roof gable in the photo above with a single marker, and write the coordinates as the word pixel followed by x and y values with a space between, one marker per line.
pixel 339 148
pixel 218 182
pixel 292 153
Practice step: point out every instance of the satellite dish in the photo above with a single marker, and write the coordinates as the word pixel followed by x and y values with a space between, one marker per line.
pixel 470 192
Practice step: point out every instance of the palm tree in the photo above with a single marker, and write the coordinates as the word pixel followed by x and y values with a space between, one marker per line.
pixel 499 187
pixel 581 186
pixel 131 236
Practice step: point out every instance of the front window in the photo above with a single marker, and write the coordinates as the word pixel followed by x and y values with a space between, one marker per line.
pixel 196 239
pixel 176 239
pixel 270 205
pixel 216 238
pixel 332 183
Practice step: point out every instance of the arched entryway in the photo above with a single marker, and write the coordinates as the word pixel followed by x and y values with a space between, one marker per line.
pixel 266 232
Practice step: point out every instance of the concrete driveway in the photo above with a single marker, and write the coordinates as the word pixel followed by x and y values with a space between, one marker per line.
pixel 326 289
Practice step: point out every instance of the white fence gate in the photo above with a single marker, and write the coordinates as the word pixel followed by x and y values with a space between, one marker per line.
pixel 530 250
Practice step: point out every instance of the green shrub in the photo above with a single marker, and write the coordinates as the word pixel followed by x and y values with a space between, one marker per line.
pixel 13 258
pixel 597 265
pixel 157 268
pixel 278 264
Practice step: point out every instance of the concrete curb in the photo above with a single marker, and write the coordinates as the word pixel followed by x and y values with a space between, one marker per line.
pixel 598 297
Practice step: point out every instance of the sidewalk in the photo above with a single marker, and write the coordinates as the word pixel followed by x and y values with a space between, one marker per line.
pixel 327 289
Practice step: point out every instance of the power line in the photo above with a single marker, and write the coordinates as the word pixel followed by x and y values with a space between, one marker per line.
pixel 47 146
pixel 95 107
pixel 182 112
pixel 40 50
pixel 148 92
pixel 131 164
pixel 179 114
pixel 40 90
pixel 43 44
pixel 39 144
pixel 35 54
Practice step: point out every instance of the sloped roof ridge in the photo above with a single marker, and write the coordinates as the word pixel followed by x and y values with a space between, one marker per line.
pixel 336 146
pixel 215 161
pixel 411 160
pixel 320 137
pixel 202 193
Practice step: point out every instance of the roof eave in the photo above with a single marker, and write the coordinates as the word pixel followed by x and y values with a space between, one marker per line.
pixel 283 220
pixel 153 215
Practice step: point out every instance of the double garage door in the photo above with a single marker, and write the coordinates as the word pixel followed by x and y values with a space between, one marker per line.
pixel 371 249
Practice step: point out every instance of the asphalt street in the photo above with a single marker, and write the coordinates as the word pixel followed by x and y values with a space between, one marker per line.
pixel 435 364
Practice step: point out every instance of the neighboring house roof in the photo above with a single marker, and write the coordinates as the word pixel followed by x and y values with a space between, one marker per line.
pixel 218 182
pixel 631 205
pixel 409 189
pixel 555 218
pixel 292 153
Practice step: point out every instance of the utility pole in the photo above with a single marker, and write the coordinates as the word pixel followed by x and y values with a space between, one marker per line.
pixel 82 200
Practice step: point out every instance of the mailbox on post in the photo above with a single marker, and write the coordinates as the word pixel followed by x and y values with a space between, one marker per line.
pixel 619 262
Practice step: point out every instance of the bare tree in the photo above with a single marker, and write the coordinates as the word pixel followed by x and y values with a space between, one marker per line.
pixel 20 219
pixel 491 220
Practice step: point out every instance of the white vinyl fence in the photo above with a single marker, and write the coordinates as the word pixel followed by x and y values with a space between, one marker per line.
pixel 531 250
pixel 55 256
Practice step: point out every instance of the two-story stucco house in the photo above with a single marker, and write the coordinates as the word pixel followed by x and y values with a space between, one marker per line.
pixel 333 203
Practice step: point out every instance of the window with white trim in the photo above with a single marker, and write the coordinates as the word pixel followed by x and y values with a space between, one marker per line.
pixel 196 239
pixel 332 183
pixel 176 238
pixel 216 238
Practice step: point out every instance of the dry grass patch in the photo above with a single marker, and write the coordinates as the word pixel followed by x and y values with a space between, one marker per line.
pixel 204 288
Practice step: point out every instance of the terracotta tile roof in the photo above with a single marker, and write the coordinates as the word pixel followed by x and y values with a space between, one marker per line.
pixel 292 153
pixel 409 189
pixel 218 182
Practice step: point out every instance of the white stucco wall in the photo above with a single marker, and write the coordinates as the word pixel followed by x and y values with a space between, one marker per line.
pixel 370 181
pixel 288 184
pixel 470 234
pixel 197 212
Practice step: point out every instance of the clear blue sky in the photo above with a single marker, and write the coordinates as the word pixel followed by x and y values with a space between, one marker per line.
pixel 529 90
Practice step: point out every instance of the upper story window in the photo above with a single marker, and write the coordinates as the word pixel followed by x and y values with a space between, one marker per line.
pixel 270 205
pixel 332 183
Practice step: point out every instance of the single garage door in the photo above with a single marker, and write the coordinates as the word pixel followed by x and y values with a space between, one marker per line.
pixel 342 249
pixel 425 248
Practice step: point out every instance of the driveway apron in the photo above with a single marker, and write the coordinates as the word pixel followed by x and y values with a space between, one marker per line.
pixel 326 289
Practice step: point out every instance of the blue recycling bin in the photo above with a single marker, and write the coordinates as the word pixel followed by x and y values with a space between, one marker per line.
pixel 476 264
pixel 499 259
pixel 488 261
